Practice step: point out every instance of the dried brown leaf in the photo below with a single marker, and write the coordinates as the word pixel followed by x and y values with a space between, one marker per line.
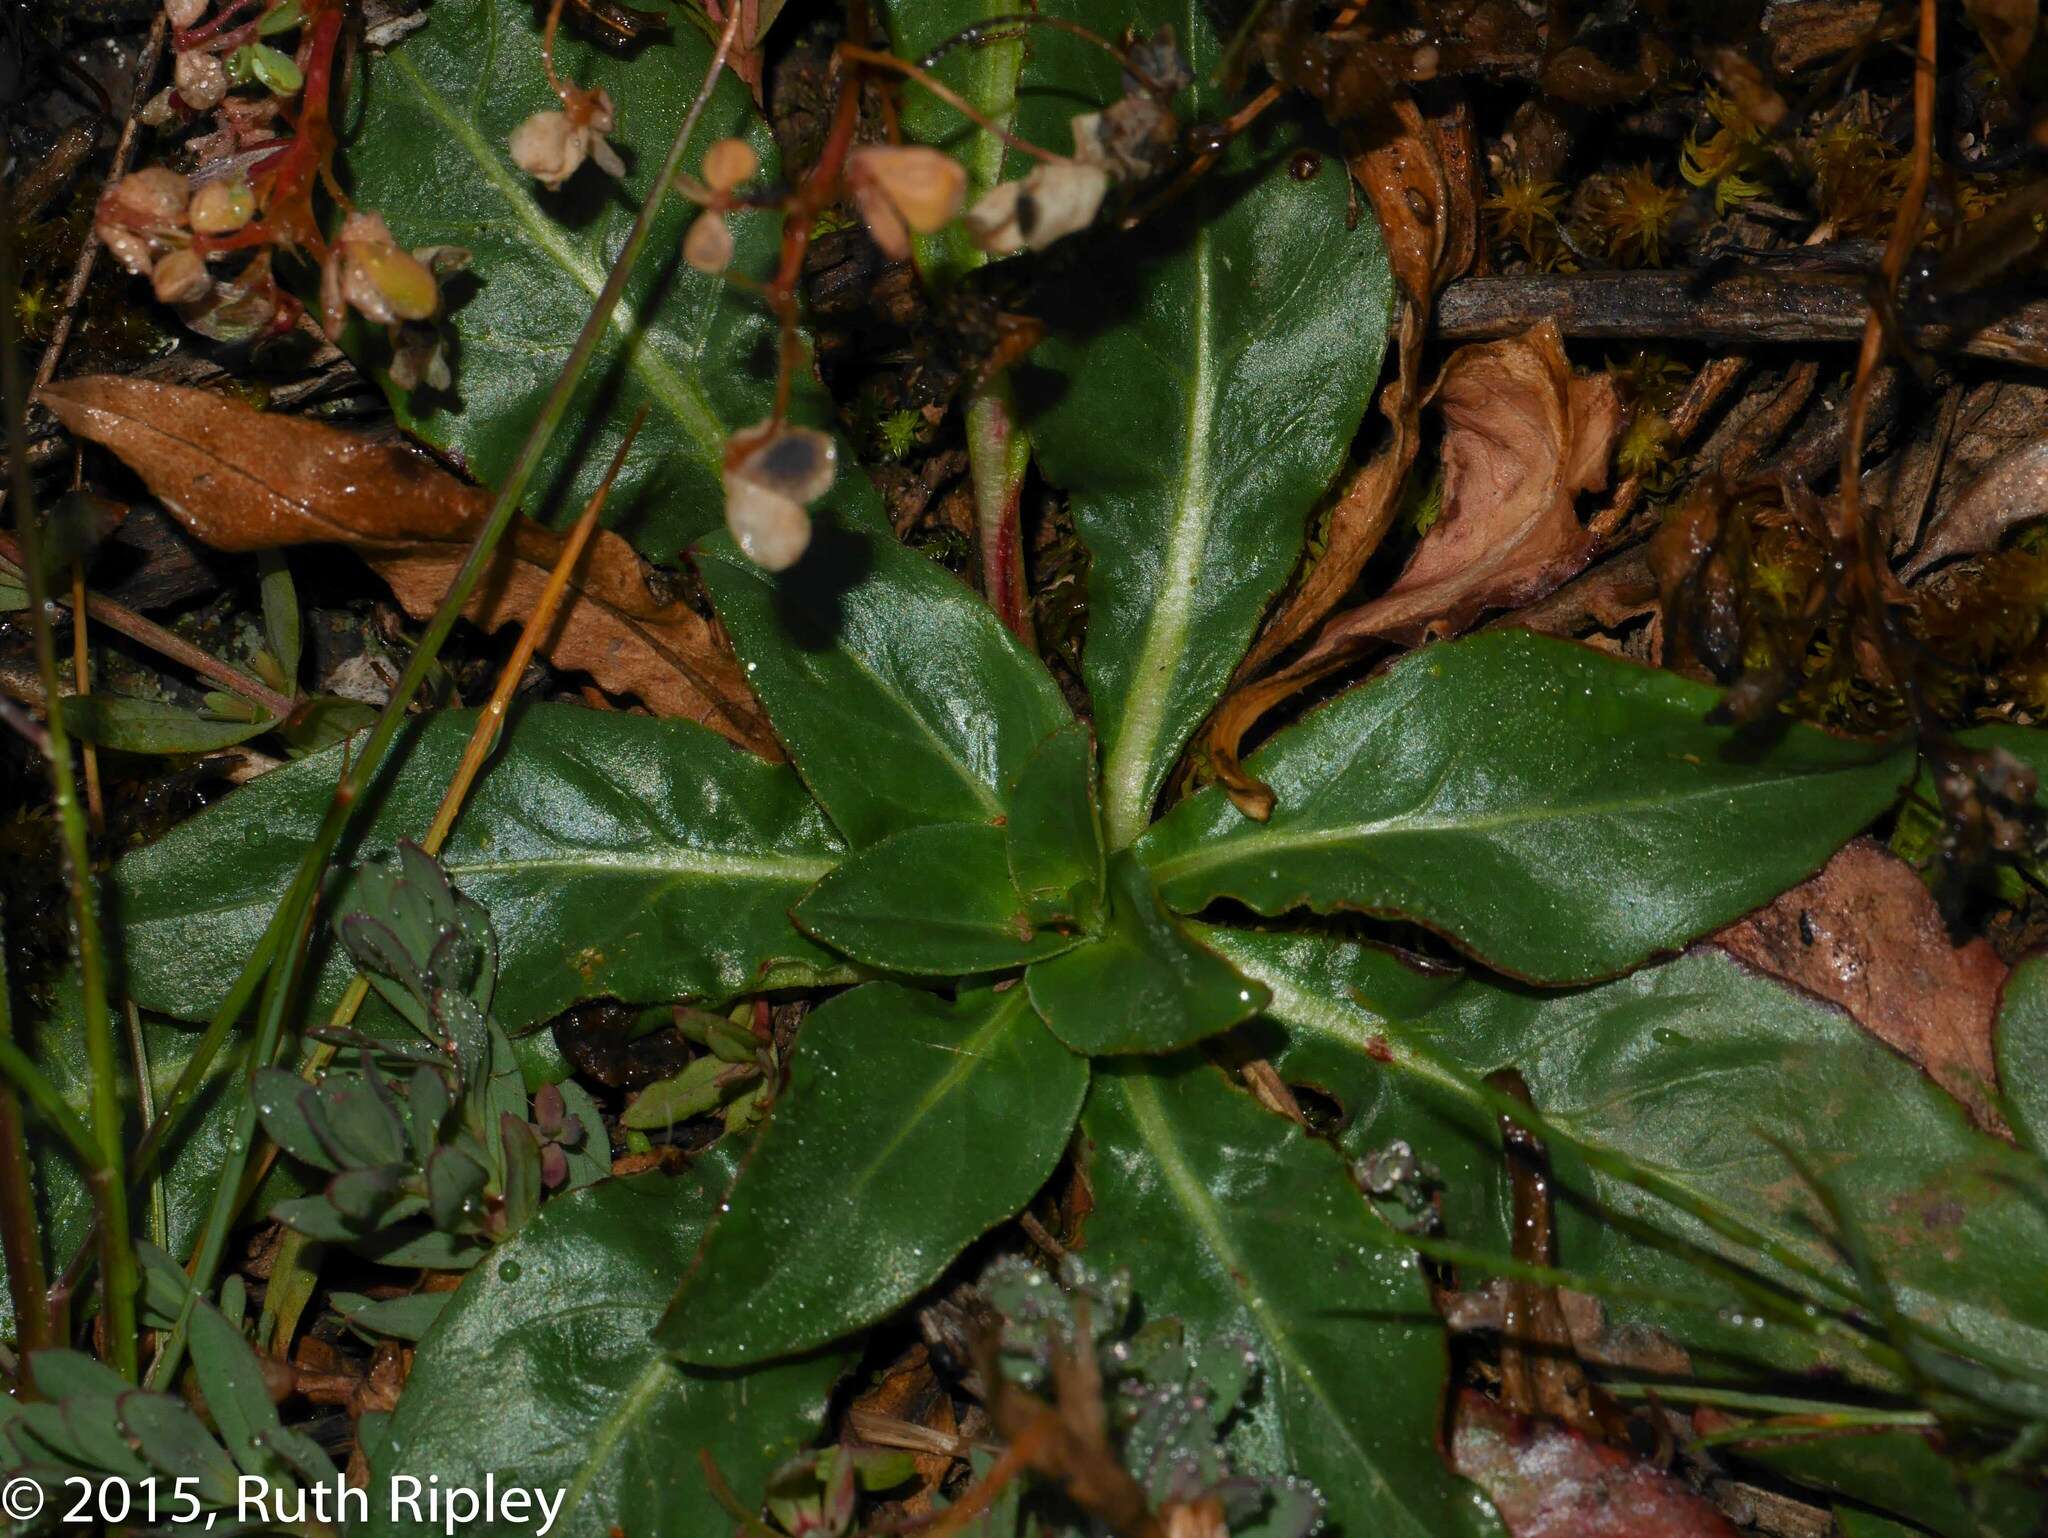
pixel 1523 436
pixel 2011 491
pixel 2008 28
pixel 1865 934
pixel 242 479
pixel 1547 1482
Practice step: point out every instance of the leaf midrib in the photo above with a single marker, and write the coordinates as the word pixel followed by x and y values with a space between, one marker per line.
pixel 1127 771
pixel 683 397
pixel 668 861
pixel 1265 839
pixel 1142 1095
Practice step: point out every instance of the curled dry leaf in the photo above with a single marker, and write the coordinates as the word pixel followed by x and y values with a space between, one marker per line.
pixel 2011 491
pixel 241 479
pixel 1523 436
pixel 1865 934
pixel 1547 1482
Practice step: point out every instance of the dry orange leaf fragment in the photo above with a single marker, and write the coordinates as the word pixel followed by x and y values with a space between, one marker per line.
pixel 1866 935
pixel 241 479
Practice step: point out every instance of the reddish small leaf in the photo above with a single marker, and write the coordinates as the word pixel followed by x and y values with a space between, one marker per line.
pixel 1865 934
pixel 242 479
pixel 1547 1482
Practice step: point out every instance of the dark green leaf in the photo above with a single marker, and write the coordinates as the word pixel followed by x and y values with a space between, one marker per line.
pixel 699 351
pixel 935 900
pixel 406 1318
pixel 909 1128
pixel 1145 985
pixel 232 1384
pixel 901 698
pixel 1708 1074
pixel 986 75
pixel 617 855
pixel 1560 813
pixel 280 1105
pixel 2023 1050
pixel 170 1437
pixel 560 1323
pixel 1232 1220
pixel 1197 394
pixel 1899 1472
pixel 1055 830
pixel 151 726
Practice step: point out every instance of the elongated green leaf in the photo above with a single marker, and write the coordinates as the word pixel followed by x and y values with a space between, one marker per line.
pixel 543 1373
pixel 1196 396
pixel 1899 1472
pixel 909 1128
pixel 1055 829
pixel 1230 1218
pixel 1559 813
pixel 699 352
pixel 2023 1050
pixel 617 855
pixel 934 900
pixel 901 698
pixel 1145 985
pixel 1706 1074
pixel 986 75
pixel 152 726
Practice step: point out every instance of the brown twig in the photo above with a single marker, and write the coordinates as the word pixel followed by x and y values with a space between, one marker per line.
pixel 1745 309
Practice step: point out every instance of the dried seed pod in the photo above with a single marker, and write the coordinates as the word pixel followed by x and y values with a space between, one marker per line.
pixel 771 474
pixel 137 216
pixel 552 146
pixel 708 246
pixel 899 188
pixel 1055 200
pixel 728 163
pixel 181 278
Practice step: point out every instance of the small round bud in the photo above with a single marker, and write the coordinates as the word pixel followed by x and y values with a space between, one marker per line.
pixel 181 277
pixel 221 208
pixel 184 14
pixel 728 163
pixel 708 245
pixel 201 80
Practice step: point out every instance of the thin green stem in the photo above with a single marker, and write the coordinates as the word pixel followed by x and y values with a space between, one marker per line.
pixel 20 1233
pixel 119 1278
pixel 294 914
pixel 1763 1404
pixel 145 1103
pixel 21 1071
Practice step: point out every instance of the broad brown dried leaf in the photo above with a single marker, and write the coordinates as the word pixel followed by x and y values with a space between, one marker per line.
pixel 2011 491
pixel 241 479
pixel 1523 436
pixel 1865 934
pixel 1547 1482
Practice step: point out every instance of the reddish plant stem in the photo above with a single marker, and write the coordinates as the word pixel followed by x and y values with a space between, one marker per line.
pixel 1000 455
